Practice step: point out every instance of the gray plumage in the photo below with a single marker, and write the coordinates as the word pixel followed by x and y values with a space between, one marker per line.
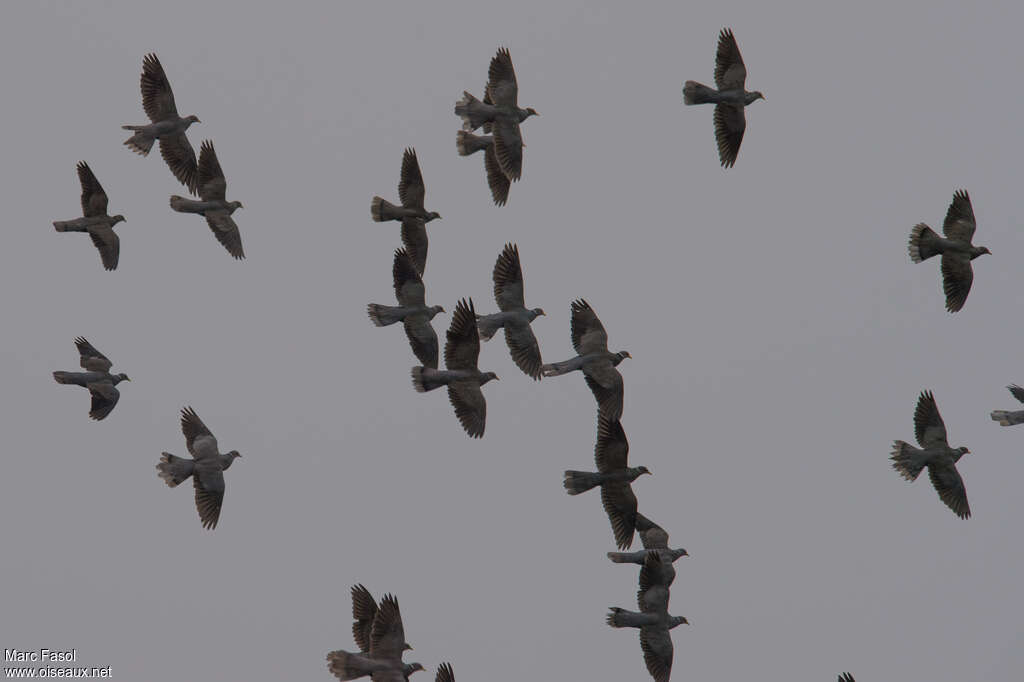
pixel 663 574
pixel 652 536
pixel 936 455
pixel 206 467
pixel 1009 418
pixel 956 249
pixel 514 317
pixel 413 216
pixel 730 98
pixel 462 377
pixel 467 143
pixel 503 113
pixel 97 378
pixel 165 125
pixel 654 623
pixel 594 359
pixel 213 204
pixel 380 634
pixel 611 455
pixel 95 220
pixel 412 310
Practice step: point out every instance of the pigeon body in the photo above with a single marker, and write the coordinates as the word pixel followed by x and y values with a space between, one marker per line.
pixel 380 634
pixel 936 456
pixel 165 125
pixel 730 98
pixel 1009 418
pixel 213 204
pixel 206 467
pixel 502 113
pixel 95 220
pixel 956 249
pixel 611 454
pixel 499 184
pixel 514 317
pixel 97 378
pixel 594 359
pixel 412 310
pixel 413 216
pixel 462 377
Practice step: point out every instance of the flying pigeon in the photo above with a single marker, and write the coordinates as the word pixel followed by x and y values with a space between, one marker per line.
pixel 411 213
pixel 166 125
pixel 940 459
pixel 381 640
pixel 503 113
pixel 729 99
pixel 97 378
pixel 514 316
pixel 213 205
pixel 462 376
pixel 956 249
pixel 95 220
pixel 611 453
pixel 1009 418
pixel 468 143
pixel 598 364
pixel 412 310
pixel 206 467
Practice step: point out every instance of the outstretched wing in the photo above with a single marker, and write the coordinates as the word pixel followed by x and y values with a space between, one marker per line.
pixel 94 199
pixel 730 72
pixel 157 98
pixel 588 334
pixel 929 429
pixel 410 186
pixel 104 398
pixel 502 85
pixel 90 358
pixel 462 348
pixel 950 487
pixel 960 223
pixel 212 186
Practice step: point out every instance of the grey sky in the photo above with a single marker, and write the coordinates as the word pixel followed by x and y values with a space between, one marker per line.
pixel 780 337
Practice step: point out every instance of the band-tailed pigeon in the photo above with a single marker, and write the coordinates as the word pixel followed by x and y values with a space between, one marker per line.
pixel 97 378
pixel 514 317
pixel 414 218
pixel 166 125
pixel 412 310
pixel 930 431
pixel 213 204
pixel 95 220
pixel 729 99
pixel 1009 418
pixel 462 377
pixel 956 249
pixel 206 467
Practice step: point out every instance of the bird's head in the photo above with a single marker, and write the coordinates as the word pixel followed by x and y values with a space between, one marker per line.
pixel 979 250
pixel 435 309
pixel 530 111
pixel 117 219
pixel 236 204
pixel 193 119
pixel 410 668
pixel 537 312
pixel 963 451
pixel 406 646
pixel 433 215
pixel 620 356
pixel 678 620
pixel 643 470
pixel 234 454
pixel 676 553
pixel 754 96
pixel 487 377
pixel 123 377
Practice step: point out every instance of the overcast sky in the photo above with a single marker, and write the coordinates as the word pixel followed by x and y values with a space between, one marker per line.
pixel 780 337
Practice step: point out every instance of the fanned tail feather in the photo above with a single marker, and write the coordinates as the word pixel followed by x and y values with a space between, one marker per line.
pixel 425 379
pixel 577 482
pixel 1006 418
pixel 697 93
pixel 173 470
pixel 487 327
pixel 382 210
pixel 923 243
pixel 907 460
pixel 139 143
pixel 383 315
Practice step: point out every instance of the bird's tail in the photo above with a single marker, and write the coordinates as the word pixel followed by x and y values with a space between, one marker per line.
pixel 425 379
pixel 67 226
pixel 382 210
pixel 577 482
pixel 468 143
pixel 345 666
pixel 621 618
pixel 697 93
pixel 472 112
pixel 383 315
pixel 923 243
pixel 173 470
pixel 555 369
pixel 487 327
pixel 182 205
pixel 1008 418
pixel 139 143
pixel 60 377
pixel 907 460
pixel 621 557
